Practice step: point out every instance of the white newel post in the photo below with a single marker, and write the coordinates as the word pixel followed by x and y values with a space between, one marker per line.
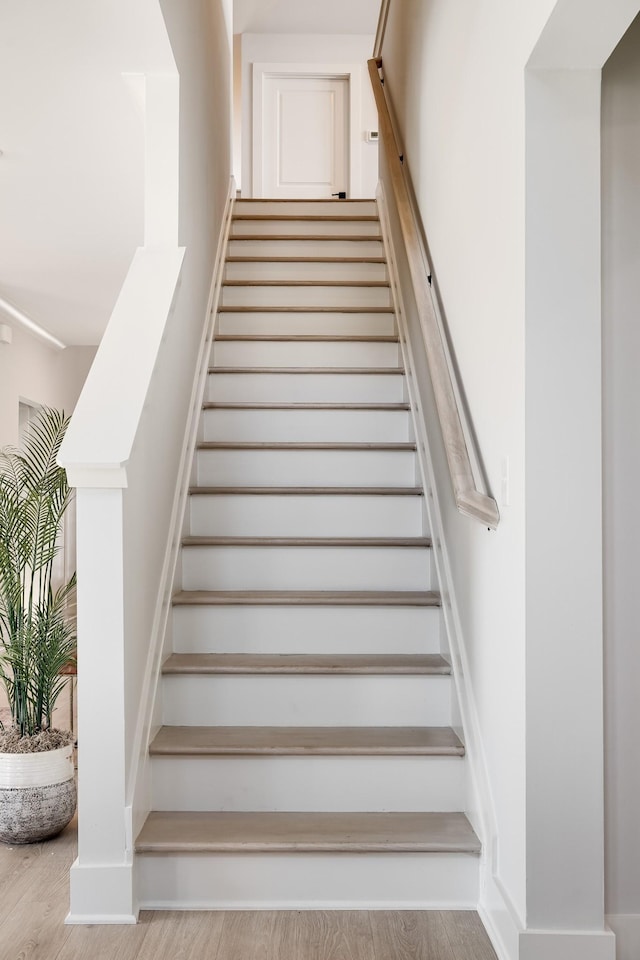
pixel 101 877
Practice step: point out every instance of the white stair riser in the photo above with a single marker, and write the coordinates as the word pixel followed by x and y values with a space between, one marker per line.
pixel 305 228
pixel 308 426
pixel 307 296
pixel 305 271
pixel 346 468
pixel 306 701
pixel 315 881
pixel 305 248
pixel 305 388
pixel 291 353
pixel 308 783
pixel 306 568
pixel 339 630
pixel 304 208
pixel 291 323
pixel 246 515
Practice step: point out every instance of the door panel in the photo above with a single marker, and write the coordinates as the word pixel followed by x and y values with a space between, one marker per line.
pixel 305 139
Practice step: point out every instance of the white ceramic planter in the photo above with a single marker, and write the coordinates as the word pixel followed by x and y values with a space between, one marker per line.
pixel 37 794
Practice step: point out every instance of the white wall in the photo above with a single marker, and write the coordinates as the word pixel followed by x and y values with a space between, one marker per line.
pixel 621 362
pixel 72 165
pixel 529 351
pixel 32 371
pixel 509 191
pixel 292 48
pixel 454 73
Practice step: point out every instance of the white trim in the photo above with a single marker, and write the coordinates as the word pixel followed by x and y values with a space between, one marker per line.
pixel 11 311
pixel 567 945
pixel 499 917
pixel 139 772
pixel 102 919
pixel 369 905
pixel 626 927
pixel 94 886
pixel 351 72
pixel 100 437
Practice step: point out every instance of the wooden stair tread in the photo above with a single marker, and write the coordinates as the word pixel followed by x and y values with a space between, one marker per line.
pixel 306 283
pixel 287 200
pixel 305 260
pixel 303 308
pixel 212 664
pixel 304 338
pixel 266 405
pixel 228 832
pixel 375 238
pixel 418 542
pixel 323 217
pixel 308 598
pixel 301 445
pixel 302 741
pixel 308 491
pixel 366 371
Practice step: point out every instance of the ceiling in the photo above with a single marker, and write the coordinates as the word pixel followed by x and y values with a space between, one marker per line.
pixel 72 142
pixel 305 16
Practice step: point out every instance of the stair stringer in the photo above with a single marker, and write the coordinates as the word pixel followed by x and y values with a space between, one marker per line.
pixel 139 782
pixel 480 806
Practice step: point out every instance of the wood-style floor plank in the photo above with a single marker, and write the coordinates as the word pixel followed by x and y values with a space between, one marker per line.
pixel 245 936
pixel 467 936
pixel 35 928
pixel 180 935
pixel 28 870
pixel 322 935
pixel 104 943
pixel 409 935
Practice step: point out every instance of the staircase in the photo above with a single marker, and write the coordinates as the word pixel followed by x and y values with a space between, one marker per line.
pixel 307 757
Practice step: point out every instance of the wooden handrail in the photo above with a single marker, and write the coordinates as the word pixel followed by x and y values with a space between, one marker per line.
pixel 469 499
pixel 382 26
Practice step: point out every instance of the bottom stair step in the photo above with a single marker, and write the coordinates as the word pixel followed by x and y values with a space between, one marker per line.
pixel 231 832
pixel 309 881
pixel 192 741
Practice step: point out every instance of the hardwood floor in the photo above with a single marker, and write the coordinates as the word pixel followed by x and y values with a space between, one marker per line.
pixel 34 902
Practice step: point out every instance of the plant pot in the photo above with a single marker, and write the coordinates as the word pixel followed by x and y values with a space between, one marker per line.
pixel 37 794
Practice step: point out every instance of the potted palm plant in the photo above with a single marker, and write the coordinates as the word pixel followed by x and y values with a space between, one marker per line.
pixel 37 636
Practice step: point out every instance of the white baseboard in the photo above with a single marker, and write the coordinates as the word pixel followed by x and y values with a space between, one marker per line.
pixel 567 945
pixel 499 916
pixel 101 893
pixel 302 905
pixel 626 927
pixel 82 919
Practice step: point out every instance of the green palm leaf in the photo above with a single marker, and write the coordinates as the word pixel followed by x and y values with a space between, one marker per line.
pixel 37 635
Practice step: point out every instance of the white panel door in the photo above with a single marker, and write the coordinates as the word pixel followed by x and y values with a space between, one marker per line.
pixel 305 136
